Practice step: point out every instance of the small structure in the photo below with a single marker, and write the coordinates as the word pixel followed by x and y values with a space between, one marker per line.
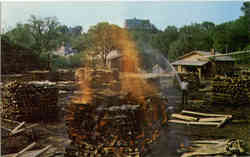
pixel 198 62
pixel 134 23
pixel 65 50
pixel 114 60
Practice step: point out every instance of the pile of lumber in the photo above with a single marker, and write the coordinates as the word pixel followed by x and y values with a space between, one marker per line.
pixel 29 101
pixel 114 123
pixel 231 91
pixel 198 118
pixel 15 135
pixel 224 147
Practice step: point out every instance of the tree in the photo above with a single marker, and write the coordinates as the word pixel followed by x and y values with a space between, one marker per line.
pixel 246 8
pixel 45 33
pixel 80 43
pixel 20 35
pixel 176 49
pixel 103 38
pixel 162 40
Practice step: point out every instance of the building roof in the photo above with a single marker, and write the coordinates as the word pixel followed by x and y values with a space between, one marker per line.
pixel 205 53
pixel 191 63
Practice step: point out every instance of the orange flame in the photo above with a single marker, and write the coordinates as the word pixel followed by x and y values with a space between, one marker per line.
pixel 84 80
pixel 132 82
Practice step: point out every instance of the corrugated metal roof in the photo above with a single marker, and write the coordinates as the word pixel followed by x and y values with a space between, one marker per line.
pixel 191 63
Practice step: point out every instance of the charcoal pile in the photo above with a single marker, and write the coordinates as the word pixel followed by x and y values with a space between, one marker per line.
pixel 29 101
pixel 231 90
pixel 114 123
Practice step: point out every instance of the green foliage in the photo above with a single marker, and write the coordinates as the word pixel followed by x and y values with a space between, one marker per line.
pixel 162 40
pixel 176 49
pixel 44 32
pixel 226 37
pixel 246 8
pixel 59 62
pixel 77 60
pixel 80 42
pixel 244 58
pixel 102 39
pixel 20 35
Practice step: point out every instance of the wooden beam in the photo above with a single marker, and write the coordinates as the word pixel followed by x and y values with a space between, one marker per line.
pixel 34 153
pixel 206 114
pixel 25 149
pixel 206 142
pixel 216 119
pixel 21 130
pixel 41 151
pixel 194 123
pixel 16 128
pixel 184 117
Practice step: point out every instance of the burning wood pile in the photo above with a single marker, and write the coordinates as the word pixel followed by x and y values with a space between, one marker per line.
pixel 109 120
pixel 29 101
pixel 231 90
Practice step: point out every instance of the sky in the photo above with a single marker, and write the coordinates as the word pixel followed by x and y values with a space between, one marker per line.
pixel 86 14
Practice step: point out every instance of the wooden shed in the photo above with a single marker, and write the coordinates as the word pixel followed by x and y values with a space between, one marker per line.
pixel 205 67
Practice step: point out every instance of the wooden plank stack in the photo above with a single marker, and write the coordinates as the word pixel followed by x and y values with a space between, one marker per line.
pixel 231 90
pixel 29 101
pixel 114 123
pixel 205 119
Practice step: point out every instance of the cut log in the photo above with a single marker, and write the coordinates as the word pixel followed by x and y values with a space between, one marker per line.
pixel 25 149
pixel 25 154
pixel 207 141
pixel 34 153
pixel 41 151
pixel 16 128
pixel 184 117
pixel 194 123
pixel 206 114
pixel 216 119
pixel 21 130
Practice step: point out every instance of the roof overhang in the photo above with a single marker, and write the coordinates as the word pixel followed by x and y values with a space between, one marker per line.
pixel 190 63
